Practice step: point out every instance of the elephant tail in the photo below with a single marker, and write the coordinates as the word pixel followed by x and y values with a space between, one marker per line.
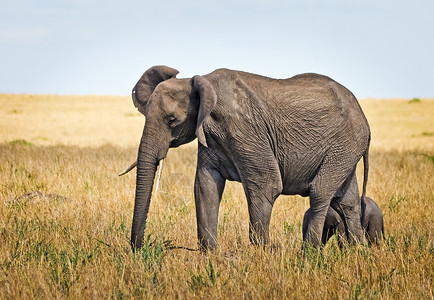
pixel 365 170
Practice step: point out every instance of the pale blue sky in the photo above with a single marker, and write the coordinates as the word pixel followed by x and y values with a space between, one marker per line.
pixel 375 48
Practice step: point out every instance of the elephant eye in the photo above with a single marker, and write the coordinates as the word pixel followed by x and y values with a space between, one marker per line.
pixel 171 121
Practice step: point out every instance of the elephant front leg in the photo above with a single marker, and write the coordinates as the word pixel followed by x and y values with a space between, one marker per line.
pixel 262 182
pixel 208 190
pixel 261 188
pixel 260 215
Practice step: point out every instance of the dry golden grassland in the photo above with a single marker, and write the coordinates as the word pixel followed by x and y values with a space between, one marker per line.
pixel 71 240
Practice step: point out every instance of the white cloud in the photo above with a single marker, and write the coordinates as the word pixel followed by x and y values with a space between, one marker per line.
pixel 11 35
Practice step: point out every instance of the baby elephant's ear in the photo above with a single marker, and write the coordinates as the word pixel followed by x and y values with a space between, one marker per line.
pixel 207 101
pixel 147 84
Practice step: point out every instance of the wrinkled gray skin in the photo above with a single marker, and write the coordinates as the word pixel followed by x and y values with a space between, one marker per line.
pixel 303 135
pixel 372 223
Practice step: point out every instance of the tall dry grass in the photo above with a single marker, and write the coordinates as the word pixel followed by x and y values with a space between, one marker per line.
pixel 71 240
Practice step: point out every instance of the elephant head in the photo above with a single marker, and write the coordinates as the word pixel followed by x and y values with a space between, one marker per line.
pixel 175 111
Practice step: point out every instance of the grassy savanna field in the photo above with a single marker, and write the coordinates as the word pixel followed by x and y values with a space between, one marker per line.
pixel 65 215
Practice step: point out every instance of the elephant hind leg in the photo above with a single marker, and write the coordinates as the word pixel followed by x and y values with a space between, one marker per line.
pixel 319 203
pixel 347 203
pixel 335 176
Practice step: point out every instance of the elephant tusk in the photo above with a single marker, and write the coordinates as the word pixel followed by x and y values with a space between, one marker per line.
pixel 134 164
pixel 158 176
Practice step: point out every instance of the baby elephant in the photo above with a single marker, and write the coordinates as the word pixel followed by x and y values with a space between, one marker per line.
pixel 372 223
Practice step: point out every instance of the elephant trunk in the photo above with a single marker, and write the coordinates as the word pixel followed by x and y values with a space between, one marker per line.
pixel 147 161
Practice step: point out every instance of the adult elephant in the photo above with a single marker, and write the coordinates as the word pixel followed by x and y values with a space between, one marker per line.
pixel 303 135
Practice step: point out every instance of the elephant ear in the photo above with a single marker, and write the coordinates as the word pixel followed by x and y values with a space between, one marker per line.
pixel 207 101
pixel 147 84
